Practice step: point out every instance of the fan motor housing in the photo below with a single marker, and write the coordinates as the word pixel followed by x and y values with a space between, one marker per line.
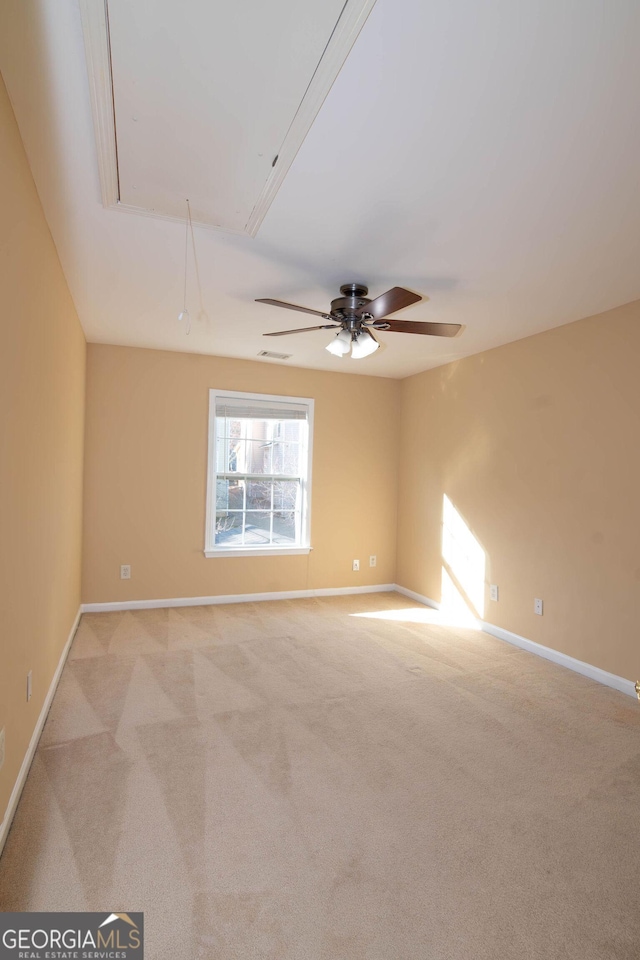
pixel 354 296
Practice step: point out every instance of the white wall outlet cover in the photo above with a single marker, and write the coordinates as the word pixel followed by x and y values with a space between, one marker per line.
pixel 356 565
pixel 29 685
pixel 538 606
pixel 125 571
pixel 493 591
pixel 373 560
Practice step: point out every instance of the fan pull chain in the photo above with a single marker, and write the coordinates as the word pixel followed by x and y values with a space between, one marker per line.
pixel 184 316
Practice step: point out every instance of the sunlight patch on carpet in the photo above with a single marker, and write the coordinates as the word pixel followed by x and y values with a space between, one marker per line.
pixel 444 618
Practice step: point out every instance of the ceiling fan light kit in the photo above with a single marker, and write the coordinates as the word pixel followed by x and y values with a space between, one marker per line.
pixel 341 344
pixel 363 345
pixel 355 316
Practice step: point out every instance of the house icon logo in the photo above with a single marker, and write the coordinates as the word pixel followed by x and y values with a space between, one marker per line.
pixel 119 916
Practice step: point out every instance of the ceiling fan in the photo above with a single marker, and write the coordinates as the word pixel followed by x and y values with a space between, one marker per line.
pixel 355 316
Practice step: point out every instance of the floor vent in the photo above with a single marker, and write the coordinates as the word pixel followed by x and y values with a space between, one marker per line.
pixel 275 356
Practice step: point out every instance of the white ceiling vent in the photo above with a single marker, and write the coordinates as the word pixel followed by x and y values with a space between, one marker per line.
pixel 275 356
pixel 201 100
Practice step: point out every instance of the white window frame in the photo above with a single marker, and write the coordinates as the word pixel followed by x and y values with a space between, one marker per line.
pixel 210 548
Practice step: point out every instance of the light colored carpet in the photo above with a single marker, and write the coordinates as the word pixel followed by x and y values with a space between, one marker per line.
pixel 288 780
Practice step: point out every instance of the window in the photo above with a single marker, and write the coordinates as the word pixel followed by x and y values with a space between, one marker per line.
pixel 259 474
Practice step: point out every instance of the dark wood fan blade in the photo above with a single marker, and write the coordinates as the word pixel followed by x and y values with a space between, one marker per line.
pixel 292 306
pixel 389 302
pixel 424 327
pixel 324 326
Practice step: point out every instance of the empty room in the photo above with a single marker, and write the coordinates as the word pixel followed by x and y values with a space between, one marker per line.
pixel 319 473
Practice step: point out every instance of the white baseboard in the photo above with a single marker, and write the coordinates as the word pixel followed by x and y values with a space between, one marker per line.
pixel 234 598
pixel 562 659
pixel 418 597
pixel 35 737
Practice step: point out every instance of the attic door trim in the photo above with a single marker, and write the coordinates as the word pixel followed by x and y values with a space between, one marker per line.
pixel 95 25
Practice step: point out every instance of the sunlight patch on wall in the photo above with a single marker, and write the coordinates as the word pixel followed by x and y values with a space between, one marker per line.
pixel 453 605
pixel 463 566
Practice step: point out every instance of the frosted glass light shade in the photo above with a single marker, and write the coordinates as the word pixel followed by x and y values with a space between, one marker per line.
pixel 340 345
pixel 364 345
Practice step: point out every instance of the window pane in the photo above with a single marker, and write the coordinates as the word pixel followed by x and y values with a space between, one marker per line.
pixel 285 494
pixel 257 527
pixel 286 457
pixel 259 494
pixel 226 427
pixel 284 527
pixel 230 455
pixel 222 495
pixel 236 494
pixel 289 430
pixel 257 430
pixel 229 529
pixel 220 454
pixel 257 457
pixel 229 495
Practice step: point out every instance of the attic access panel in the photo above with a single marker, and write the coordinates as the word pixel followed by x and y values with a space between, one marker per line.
pixel 197 99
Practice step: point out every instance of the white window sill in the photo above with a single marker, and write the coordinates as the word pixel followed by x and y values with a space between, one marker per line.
pixel 256 552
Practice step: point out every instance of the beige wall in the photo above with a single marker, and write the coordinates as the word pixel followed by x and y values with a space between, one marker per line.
pixel 534 443
pixel 145 476
pixel 537 445
pixel 42 355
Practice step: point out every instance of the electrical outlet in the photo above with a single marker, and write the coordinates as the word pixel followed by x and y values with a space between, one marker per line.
pixel 1 747
pixel 356 565
pixel 537 606
pixel 493 591
pixel 29 685
pixel 125 571
pixel 373 560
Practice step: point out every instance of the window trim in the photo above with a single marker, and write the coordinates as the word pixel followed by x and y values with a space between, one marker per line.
pixel 210 550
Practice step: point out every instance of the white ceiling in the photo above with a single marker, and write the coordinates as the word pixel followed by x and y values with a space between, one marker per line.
pixel 481 152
